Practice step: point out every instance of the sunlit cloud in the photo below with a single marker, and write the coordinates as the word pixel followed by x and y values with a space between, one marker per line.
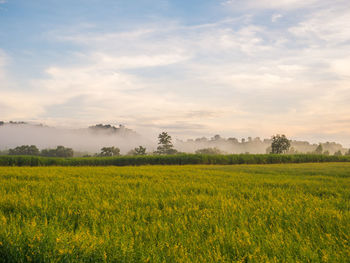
pixel 234 75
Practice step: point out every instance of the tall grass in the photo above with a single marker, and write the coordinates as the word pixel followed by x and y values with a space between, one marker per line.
pixel 179 159
pixel 255 213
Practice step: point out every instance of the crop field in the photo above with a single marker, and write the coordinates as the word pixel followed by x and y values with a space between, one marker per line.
pixel 195 213
pixel 176 159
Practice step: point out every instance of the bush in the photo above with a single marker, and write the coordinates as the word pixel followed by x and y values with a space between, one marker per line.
pixel 209 151
pixel 178 159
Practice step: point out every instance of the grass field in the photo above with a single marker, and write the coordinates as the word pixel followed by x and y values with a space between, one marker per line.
pixel 246 213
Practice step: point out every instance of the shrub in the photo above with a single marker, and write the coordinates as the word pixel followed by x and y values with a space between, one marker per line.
pixel 209 151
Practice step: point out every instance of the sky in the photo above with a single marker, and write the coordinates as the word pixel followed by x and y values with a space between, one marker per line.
pixel 195 68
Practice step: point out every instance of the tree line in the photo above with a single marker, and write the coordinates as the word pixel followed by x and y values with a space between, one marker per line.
pixel 280 144
pixel 59 151
pixel 165 147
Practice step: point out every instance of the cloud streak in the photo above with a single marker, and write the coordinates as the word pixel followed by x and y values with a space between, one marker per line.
pixel 271 4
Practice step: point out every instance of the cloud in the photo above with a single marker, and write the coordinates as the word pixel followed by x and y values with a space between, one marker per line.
pixel 270 4
pixel 234 61
pixel 141 61
pixel 99 92
pixel 14 104
pixel 276 17
pixel 3 62
pixel 328 25
pixel 231 76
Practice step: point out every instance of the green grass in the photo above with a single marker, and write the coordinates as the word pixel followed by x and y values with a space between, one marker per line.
pixel 246 213
pixel 177 159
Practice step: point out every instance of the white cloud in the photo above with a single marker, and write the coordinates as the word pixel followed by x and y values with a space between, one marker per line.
pixel 223 67
pixel 276 17
pixel 140 61
pixel 98 92
pixel 330 25
pixel 341 67
pixel 270 4
pixel 14 104
pixel 3 61
pixel 232 75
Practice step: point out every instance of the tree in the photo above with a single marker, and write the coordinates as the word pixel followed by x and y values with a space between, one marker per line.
pixel 25 150
pixel 165 144
pixel 232 140
pixel 217 137
pixel 60 151
pixel 109 151
pixel 326 153
pixel 280 144
pixel 138 151
pixel 347 153
pixel 338 153
pixel 319 149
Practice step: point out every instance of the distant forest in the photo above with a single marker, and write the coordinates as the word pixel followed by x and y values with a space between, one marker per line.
pixel 256 145
pixel 129 142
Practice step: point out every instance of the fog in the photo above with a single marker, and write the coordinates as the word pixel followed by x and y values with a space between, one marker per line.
pixel 91 140
pixel 250 145
pixel 81 140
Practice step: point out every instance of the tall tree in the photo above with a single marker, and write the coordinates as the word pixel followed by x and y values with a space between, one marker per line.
pixel 280 144
pixel 165 144
pixel 319 149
